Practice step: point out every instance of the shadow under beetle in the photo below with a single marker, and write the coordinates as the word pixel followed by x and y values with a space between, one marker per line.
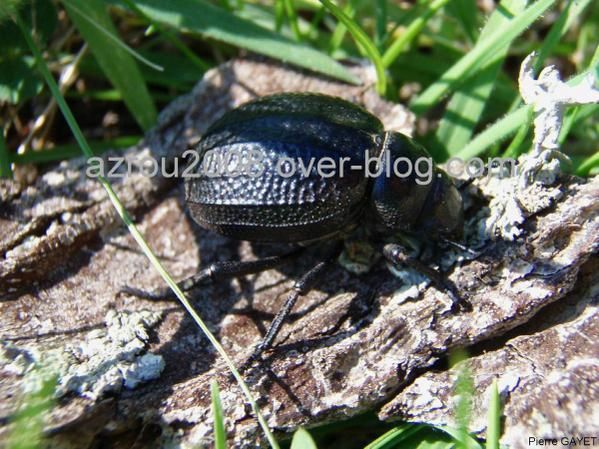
pixel 302 207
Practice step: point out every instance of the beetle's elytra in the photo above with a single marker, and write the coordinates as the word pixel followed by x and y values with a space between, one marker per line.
pixel 309 127
pixel 302 207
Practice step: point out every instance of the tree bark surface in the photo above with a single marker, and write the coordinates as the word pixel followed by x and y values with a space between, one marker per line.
pixel 352 345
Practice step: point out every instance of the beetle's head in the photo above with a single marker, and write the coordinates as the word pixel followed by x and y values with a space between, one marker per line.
pixel 412 194
pixel 443 214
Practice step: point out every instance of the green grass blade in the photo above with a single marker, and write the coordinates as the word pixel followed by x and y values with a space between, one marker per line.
pixel 208 20
pixel 220 435
pixel 435 445
pixel 94 23
pixel 552 38
pixel 517 145
pixel 465 12
pixel 134 231
pixel 9 8
pixel 496 133
pixel 508 125
pixel 111 34
pixel 62 152
pixel 576 115
pixel 279 14
pixel 395 436
pixel 463 440
pixel 302 440
pixel 315 23
pixel 494 418
pixel 580 112
pixel 467 104
pixel 341 29
pixel 292 17
pixel 566 19
pixel 27 429
pixel 584 169
pixel 179 77
pixel 415 27
pixel 362 39
pixel 5 165
pixel 483 52
pixel 380 16
pixel 180 73
pixel 464 391
pixel 172 37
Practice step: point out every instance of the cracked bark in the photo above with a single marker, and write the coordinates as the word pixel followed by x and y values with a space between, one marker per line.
pixel 349 347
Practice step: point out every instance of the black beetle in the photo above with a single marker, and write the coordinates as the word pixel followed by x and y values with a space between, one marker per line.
pixel 271 202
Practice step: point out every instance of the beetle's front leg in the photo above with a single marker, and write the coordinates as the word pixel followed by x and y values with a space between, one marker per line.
pixel 397 255
pixel 216 272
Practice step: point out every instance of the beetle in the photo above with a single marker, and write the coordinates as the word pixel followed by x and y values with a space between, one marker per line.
pixel 305 206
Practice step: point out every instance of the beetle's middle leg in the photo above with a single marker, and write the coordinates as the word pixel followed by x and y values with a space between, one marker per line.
pixel 216 272
pixel 301 287
pixel 397 255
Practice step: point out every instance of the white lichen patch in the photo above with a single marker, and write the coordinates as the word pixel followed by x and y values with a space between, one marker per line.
pixel 105 361
pixel 506 383
pixel 414 283
pixel 513 199
pixel 14 360
pixel 512 202
pixel 148 367
pixel 529 287
pixel 190 414
pixel 549 96
pixel 517 269
pixel 429 398
pixel 114 357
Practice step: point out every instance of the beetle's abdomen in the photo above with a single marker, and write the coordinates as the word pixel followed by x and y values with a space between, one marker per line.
pixel 261 178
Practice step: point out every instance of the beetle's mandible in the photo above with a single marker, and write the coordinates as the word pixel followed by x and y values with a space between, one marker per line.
pixel 302 207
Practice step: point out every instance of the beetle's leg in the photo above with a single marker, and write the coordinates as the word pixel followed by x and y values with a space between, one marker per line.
pixel 301 287
pixel 216 272
pixel 461 247
pixel 397 255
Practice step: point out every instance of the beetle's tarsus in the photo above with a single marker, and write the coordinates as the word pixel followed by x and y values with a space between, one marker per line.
pixel 475 254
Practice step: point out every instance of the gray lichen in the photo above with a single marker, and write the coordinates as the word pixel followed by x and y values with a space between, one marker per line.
pixel 516 198
pixel 512 202
pixel 106 360
pixel 549 96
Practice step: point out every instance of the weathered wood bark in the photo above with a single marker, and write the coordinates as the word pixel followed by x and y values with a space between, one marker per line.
pixel 353 345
